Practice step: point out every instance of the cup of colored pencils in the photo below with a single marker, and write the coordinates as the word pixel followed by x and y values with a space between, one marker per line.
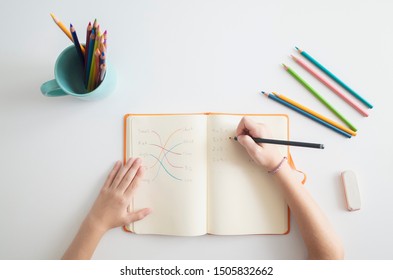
pixel 92 56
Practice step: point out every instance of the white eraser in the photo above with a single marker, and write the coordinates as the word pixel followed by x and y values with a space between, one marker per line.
pixel 351 190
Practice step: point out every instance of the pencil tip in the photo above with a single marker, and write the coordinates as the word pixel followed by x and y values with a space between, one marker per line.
pixel 286 67
pixel 299 50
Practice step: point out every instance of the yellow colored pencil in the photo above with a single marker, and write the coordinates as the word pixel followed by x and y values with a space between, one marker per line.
pixel 65 30
pixel 61 25
pixel 308 110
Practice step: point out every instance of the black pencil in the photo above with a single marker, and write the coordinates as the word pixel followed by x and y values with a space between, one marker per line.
pixel 284 142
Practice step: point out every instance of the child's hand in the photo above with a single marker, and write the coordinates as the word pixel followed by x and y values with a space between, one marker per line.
pixel 110 209
pixel 266 155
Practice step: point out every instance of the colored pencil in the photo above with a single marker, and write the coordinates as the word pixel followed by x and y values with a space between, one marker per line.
pixel 95 25
pixel 105 38
pixel 89 57
pixel 101 61
pixel 88 33
pixel 304 113
pixel 333 88
pixel 102 72
pixel 77 45
pixel 64 29
pixel 315 114
pixel 334 77
pixel 285 142
pixel 61 25
pixel 92 54
pixel 93 71
pixel 102 58
pixel 96 76
pixel 319 97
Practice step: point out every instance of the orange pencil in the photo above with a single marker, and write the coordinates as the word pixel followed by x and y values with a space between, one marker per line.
pixel 304 108
pixel 96 73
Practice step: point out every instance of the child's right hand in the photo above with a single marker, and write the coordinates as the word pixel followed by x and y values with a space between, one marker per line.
pixel 266 155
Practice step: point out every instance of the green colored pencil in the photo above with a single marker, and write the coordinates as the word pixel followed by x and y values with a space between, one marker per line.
pixel 319 97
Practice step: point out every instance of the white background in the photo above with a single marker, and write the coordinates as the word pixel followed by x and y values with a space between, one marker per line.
pixel 190 56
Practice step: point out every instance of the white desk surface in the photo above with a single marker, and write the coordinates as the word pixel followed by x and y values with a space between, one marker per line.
pixel 190 56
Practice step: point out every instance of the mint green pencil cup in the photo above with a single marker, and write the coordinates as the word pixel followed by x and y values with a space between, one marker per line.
pixel 69 79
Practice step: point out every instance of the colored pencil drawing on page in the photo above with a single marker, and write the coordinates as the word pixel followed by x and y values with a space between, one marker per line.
pixel 166 154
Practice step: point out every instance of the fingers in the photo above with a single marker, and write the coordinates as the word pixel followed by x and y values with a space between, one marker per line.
pixel 127 177
pixel 130 175
pixel 138 215
pixel 112 174
pixel 242 128
pixel 128 192
pixel 121 173
pixel 249 144
pixel 248 126
pixel 261 153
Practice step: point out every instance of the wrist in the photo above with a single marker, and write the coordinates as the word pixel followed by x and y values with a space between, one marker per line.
pixel 272 162
pixel 93 225
pixel 278 166
pixel 287 173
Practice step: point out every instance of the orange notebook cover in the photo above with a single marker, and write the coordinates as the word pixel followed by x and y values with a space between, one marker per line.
pixel 198 181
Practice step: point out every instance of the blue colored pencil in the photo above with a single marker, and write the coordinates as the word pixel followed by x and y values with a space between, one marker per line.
pixel 304 113
pixel 334 77
pixel 77 45
pixel 89 57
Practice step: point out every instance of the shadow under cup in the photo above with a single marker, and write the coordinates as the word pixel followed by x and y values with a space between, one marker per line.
pixel 70 75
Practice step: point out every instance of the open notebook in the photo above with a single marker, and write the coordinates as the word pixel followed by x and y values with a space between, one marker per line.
pixel 198 181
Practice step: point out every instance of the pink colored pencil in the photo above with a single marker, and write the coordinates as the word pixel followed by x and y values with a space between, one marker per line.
pixel 333 88
pixel 105 37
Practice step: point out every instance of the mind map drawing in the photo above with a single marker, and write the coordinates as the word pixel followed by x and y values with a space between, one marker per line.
pixel 165 155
